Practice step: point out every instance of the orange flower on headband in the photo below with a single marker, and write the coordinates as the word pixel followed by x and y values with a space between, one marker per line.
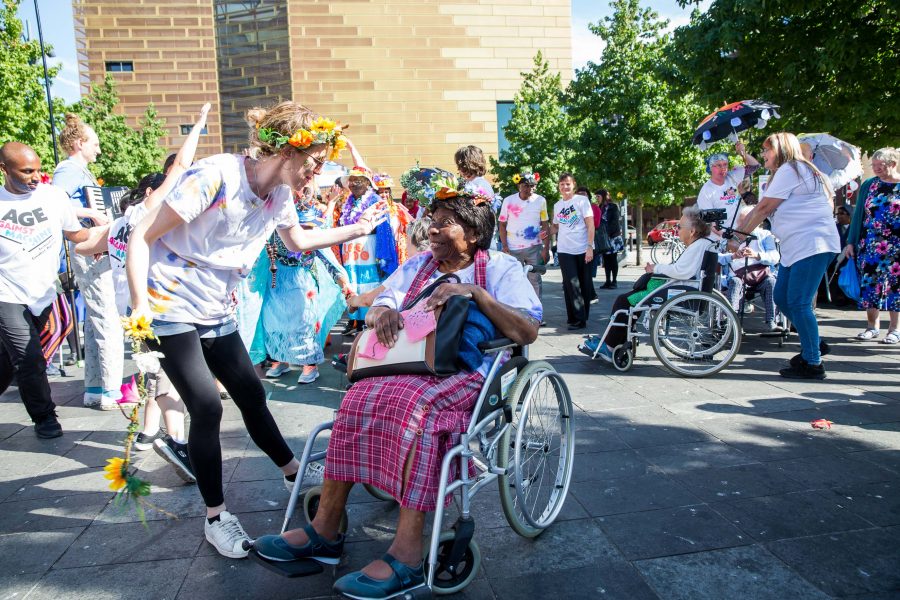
pixel 301 139
pixel 446 194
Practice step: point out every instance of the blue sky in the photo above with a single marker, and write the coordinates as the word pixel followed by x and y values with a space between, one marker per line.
pixel 56 18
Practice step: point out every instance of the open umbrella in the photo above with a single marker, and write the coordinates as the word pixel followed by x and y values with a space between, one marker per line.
pixel 728 121
pixel 835 158
pixel 330 172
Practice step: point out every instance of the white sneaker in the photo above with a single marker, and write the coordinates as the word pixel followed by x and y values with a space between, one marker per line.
pixel 278 370
pixel 227 536
pixel 313 476
pixel 92 399
pixel 308 377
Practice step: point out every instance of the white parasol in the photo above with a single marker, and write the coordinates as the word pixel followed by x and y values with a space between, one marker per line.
pixel 330 172
pixel 835 158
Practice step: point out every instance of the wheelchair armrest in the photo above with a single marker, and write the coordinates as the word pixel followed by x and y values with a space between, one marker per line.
pixel 497 344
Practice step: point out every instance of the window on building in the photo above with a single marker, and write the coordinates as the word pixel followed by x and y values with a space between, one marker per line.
pixel 119 66
pixel 186 130
pixel 504 114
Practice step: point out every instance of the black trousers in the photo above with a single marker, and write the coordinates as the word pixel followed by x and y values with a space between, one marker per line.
pixel 21 357
pixel 577 286
pixel 611 266
pixel 191 362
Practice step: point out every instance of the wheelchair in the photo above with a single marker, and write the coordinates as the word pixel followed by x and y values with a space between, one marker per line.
pixel 690 325
pixel 521 436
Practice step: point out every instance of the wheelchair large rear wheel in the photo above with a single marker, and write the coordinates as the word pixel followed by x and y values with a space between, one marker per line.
pixel 537 450
pixel 695 334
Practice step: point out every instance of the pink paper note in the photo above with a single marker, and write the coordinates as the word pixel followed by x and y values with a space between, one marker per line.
pixel 418 323
pixel 373 348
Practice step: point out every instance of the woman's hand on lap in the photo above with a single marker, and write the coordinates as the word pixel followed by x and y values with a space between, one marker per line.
pixel 648 268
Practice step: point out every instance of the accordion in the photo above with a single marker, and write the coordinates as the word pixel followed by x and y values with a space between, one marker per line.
pixel 105 199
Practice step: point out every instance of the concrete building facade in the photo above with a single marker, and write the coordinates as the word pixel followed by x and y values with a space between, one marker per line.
pixel 414 79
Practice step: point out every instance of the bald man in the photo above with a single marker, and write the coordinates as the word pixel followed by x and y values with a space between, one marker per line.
pixel 33 220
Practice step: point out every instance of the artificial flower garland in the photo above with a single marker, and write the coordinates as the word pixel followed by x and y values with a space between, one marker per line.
pixel 322 131
pixel 527 177
pixel 122 477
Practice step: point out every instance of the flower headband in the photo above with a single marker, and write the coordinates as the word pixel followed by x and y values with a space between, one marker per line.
pixel 322 131
pixel 526 176
pixel 427 185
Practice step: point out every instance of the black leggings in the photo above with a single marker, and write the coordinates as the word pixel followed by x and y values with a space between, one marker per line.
pixel 191 363
pixel 619 334
pixel 611 266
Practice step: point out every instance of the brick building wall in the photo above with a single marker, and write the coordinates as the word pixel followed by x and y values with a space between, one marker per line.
pixel 416 79
pixel 171 46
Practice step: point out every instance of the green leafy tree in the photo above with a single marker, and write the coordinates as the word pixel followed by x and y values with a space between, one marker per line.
pixel 540 133
pixel 635 127
pixel 832 65
pixel 126 154
pixel 24 116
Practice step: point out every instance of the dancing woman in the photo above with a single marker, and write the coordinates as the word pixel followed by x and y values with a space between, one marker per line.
pixel 184 261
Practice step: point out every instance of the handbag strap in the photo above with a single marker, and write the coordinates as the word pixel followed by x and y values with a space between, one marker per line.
pixel 428 269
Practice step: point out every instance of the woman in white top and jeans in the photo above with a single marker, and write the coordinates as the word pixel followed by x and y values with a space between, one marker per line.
pixel 799 203
pixel 573 225
pixel 184 261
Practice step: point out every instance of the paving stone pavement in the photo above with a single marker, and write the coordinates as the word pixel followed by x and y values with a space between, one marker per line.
pixel 696 489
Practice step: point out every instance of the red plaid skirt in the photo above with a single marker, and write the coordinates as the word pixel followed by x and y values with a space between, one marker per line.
pixel 381 417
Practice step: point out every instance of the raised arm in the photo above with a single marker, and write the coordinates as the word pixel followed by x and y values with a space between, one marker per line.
pixel 183 160
pixel 357 157
pixel 297 239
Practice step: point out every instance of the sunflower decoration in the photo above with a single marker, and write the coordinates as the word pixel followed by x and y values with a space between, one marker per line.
pixel 122 475
pixel 526 176
pixel 321 131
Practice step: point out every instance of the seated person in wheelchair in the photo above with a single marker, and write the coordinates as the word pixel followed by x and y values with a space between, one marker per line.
pixel 694 232
pixel 749 269
pixel 392 432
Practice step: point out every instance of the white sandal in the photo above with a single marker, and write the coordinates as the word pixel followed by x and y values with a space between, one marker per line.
pixel 892 337
pixel 869 334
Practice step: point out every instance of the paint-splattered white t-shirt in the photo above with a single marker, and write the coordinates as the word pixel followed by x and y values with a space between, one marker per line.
pixel 195 268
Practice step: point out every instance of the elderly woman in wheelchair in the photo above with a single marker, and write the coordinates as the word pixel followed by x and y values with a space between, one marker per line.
pixel 689 325
pixel 393 432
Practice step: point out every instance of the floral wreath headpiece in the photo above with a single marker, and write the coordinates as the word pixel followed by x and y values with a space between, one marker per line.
pixel 427 185
pixel 526 177
pixel 322 131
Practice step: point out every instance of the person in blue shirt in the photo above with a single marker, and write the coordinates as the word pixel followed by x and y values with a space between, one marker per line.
pixel 103 337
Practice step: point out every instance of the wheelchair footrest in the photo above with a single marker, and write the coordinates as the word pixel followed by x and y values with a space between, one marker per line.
pixel 296 568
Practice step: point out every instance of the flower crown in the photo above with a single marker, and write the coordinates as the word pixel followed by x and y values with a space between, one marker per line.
pixel 526 176
pixel 322 131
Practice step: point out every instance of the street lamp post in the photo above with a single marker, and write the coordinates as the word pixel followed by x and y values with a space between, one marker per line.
pixel 70 276
pixel 37 13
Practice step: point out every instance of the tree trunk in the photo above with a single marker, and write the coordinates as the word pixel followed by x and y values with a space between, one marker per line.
pixel 638 230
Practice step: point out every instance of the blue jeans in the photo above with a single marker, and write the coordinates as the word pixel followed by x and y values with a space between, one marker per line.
pixel 795 290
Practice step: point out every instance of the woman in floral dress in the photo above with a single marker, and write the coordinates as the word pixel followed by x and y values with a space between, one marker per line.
pixel 874 240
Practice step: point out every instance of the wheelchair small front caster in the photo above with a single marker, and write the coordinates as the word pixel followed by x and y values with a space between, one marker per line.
pixel 623 357
pixel 423 592
pixel 450 579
